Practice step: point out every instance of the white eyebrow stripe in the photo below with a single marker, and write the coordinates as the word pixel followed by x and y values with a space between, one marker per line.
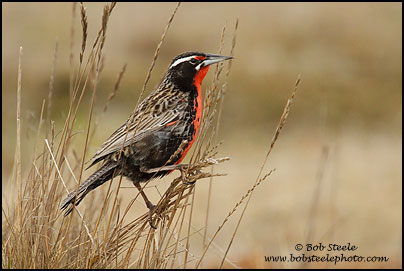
pixel 178 61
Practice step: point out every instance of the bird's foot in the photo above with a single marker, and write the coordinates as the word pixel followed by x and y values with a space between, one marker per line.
pixel 184 178
pixel 152 208
pixel 184 181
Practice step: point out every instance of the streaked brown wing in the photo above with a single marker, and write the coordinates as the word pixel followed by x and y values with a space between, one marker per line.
pixel 151 115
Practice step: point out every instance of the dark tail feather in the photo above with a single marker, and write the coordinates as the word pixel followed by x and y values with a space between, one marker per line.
pixel 104 174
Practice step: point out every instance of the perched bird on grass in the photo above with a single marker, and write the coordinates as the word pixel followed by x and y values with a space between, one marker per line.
pixel 159 134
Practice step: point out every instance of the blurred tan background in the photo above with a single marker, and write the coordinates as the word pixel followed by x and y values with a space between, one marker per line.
pixel 349 104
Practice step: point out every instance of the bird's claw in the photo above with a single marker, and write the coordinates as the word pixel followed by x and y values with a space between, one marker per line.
pixel 151 211
pixel 188 183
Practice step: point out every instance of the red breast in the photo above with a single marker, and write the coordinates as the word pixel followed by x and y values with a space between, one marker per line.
pixel 197 108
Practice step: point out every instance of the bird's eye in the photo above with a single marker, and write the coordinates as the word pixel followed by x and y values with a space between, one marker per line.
pixel 193 61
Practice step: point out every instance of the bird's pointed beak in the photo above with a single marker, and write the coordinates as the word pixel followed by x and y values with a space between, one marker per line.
pixel 212 59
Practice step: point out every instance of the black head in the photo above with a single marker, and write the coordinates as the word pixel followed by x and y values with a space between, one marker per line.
pixel 185 67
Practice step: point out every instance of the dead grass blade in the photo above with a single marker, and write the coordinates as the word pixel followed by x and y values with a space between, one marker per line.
pixel 18 146
pixel 216 131
pixel 51 82
pixel 282 122
pixel 116 87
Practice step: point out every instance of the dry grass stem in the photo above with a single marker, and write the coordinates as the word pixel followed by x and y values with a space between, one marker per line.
pixel 51 82
pixel 18 145
pixel 210 180
pixel 116 87
pixel 71 55
pixel 84 25
pixel 282 122
pixel 38 130
pixel 248 194
pixel 311 223
pixel 156 53
pixel 216 131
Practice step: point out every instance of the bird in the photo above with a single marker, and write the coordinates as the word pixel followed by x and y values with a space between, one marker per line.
pixel 157 135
